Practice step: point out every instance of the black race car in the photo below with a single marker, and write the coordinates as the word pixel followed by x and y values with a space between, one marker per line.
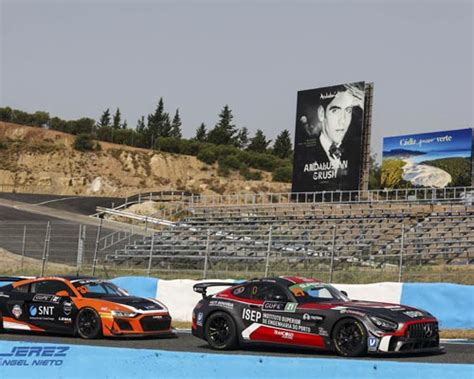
pixel 306 313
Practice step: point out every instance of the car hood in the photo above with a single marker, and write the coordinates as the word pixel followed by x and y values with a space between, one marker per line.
pixel 138 303
pixel 395 312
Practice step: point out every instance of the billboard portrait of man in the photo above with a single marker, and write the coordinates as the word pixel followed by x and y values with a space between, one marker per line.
pixel 328 138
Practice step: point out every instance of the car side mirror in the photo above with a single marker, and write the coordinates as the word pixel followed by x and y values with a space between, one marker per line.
pixel 62 293
pixel 345 293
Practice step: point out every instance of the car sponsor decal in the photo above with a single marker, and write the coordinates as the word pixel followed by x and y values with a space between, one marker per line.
pixel 67 308
pixel 413 314
pixel 222 304
pixel 372 343
pixel 41 312
pixel 276 320
pixel 278 306
pixel 310 317
pixel 345 310
pixel 323 332
pixel 251 315
pixel 46 298
pixel 200 318
pixel 238 290
pixel 17 311
pixel 284 334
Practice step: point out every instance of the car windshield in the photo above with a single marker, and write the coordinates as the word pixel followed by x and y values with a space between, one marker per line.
pixel 98 288
pixel 314 292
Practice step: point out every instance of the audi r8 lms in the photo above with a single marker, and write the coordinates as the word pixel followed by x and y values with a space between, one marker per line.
pixel 84 306
pixel 306 313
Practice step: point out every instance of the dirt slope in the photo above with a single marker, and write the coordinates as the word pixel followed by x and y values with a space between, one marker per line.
pixel 43 161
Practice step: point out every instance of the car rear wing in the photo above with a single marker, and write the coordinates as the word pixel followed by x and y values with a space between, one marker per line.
pixel 202 287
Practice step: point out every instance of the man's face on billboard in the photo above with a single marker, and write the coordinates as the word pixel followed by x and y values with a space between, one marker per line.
pixel 338 117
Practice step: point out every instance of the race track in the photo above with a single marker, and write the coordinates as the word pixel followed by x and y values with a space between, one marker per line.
pixel 185 342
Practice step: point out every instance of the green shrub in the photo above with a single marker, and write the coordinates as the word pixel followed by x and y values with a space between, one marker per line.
pixel 84 142
pixel 3 145
pixel 223 169
pixel 168 144
pixel 283 174
pixel 207 155
pixel 250 175
pixel 231 161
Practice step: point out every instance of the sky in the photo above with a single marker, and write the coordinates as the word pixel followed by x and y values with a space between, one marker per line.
pixel 76 58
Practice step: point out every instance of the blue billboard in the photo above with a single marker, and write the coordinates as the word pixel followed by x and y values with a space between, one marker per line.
pixel 438 159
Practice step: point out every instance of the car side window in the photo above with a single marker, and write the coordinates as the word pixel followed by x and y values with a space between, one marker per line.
pixel 268 292
pixel 22 289
pixel 242 291
pixel 50 287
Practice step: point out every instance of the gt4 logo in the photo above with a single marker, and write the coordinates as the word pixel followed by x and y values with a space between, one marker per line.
pixel 251 315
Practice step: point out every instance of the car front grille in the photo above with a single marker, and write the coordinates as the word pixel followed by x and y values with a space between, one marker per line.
pixel 152 323
pixel 425 330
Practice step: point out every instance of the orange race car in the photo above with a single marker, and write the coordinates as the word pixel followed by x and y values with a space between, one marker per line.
pixel 86 306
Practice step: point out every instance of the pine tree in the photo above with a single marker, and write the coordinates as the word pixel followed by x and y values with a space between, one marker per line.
pixel 242 138
pixel 105 118
pixel 259 142
pixel 141 125
pixel 158 123
pixel 201 133
pixel 175 131
pixel 117 119
pixel 224 131
pixel 282 147
pixel 124 125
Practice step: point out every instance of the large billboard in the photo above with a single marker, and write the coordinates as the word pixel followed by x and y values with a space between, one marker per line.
pixel 439 159
pixel 328 138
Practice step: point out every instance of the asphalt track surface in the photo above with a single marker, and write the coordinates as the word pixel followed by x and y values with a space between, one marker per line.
pixel 185 342
pixel 84 205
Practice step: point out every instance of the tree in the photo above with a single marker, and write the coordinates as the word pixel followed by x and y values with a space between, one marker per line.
pixel 201 133
pixel 175 131
pixel 224 131
pixel 141 125
pixel 117 119
pixel 159 124
pixel 282 146
pixel 242 138
pixel 124 125
pixel 105 118
pixel 374 172
pixel 258 143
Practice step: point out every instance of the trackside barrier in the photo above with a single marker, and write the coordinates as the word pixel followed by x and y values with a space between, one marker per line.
pixel 452 304
pixel 33 360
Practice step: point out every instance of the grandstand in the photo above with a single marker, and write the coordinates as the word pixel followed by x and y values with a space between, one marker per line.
pixel 374 229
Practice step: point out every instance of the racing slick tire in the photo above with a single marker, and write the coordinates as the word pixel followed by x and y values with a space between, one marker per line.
pixel 349 338
pixel 220 331
pixel 88 324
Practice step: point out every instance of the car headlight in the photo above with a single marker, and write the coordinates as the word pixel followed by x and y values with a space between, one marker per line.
pixel 123 314
pixel 383 324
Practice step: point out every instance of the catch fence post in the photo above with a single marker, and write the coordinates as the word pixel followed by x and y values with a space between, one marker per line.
pixel 206 257
pixel 45 248
pixel 96 248
pixel 23 246
pixel 402 247
pixel 151 254
pixel 267 263
pixel 331 267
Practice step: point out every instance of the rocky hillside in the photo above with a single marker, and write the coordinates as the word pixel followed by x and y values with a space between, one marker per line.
pixel 43 161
